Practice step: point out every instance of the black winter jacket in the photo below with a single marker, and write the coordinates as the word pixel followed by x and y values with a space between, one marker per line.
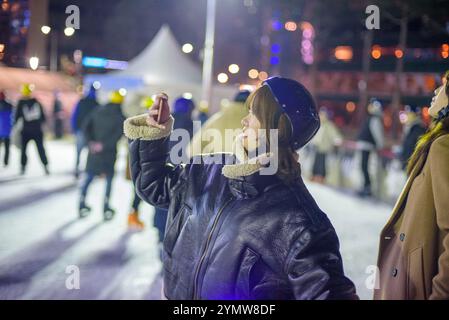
pixel 103 125
pixel 32 113
pixel 84 108
pixel 248 237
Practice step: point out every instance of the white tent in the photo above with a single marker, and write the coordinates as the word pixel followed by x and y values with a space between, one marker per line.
pixel 162 66
pixel 162 61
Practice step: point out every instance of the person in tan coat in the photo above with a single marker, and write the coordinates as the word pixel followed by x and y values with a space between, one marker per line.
pixel 414 245
pixel 212 137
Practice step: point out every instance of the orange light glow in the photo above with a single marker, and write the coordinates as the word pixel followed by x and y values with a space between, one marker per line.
pixel 398 53
pixel 350 107
pixel 343 53
pixel 376 52
pixel 263 76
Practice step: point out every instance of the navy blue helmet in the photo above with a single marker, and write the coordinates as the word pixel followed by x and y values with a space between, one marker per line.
pixel 296 102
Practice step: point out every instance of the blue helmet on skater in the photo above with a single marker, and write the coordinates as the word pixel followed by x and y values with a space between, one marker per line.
pixel 296 102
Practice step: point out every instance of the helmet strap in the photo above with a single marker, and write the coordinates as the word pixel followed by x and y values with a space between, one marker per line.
pixel 443 113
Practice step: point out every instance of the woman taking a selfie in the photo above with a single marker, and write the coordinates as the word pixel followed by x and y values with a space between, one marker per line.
pixel 414 245
pixel 232 231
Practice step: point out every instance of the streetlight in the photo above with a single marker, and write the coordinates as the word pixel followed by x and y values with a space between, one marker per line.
pixel 253 73
pixel 222 78
pixel 69 31
pixel 45 29
pixel 233 68
pixel 187 48
pixel 34 63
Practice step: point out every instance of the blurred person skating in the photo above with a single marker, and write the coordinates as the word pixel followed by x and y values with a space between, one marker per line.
pixel 6 120
pixel 229 117
pixel 324 142
pixel 58 117
pixel 413 256
pixel 370 140
pixel 203 113
pixel 413 129
pixel 102 130
pixel 235 231
pixel 31 114
pixel 81 112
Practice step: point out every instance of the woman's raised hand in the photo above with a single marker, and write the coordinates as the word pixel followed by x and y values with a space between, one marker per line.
pixel 159 112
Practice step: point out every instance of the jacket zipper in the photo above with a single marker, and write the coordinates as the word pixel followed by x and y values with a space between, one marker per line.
pixel 203 256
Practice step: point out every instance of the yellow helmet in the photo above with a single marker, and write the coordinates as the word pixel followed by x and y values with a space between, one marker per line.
pixel 147 102
pixel 203 107
pixel 116 97
pixel 26 89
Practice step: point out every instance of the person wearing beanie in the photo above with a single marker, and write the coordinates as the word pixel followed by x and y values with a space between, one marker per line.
pixel 31 114
pixel 6 120
pixel 228 118
pixel 81 112
pixel 102 130
pixel 413 255
pixel 243 225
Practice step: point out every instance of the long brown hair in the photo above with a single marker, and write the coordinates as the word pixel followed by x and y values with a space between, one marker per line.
pixel 436 130
pixel 264 106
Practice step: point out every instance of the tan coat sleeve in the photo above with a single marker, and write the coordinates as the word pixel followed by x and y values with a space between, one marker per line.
pixel 439 166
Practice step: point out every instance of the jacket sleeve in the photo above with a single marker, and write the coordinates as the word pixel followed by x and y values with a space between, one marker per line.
pixel 315 268
pixel 439 170
pixel 153 175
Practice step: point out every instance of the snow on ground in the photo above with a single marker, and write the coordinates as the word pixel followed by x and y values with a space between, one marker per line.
pixel 41 236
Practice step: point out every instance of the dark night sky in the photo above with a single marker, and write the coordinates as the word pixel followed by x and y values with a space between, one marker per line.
pixel 120 29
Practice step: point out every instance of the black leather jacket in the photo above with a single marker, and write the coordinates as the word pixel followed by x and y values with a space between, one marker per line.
pixel 245 238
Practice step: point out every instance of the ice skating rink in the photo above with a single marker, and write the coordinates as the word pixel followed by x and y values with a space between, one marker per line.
pixel 43 244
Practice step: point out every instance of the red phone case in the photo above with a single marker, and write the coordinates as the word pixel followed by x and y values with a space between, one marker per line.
pixel 158 120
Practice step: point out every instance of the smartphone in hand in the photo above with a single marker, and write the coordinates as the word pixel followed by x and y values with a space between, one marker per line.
pixel 163 110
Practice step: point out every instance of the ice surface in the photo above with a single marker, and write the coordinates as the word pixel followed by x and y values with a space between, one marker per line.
pixel 41 236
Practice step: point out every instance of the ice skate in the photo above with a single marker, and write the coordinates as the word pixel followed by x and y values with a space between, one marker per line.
pixel 84 210
pixel 108 213
pixel 133 221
